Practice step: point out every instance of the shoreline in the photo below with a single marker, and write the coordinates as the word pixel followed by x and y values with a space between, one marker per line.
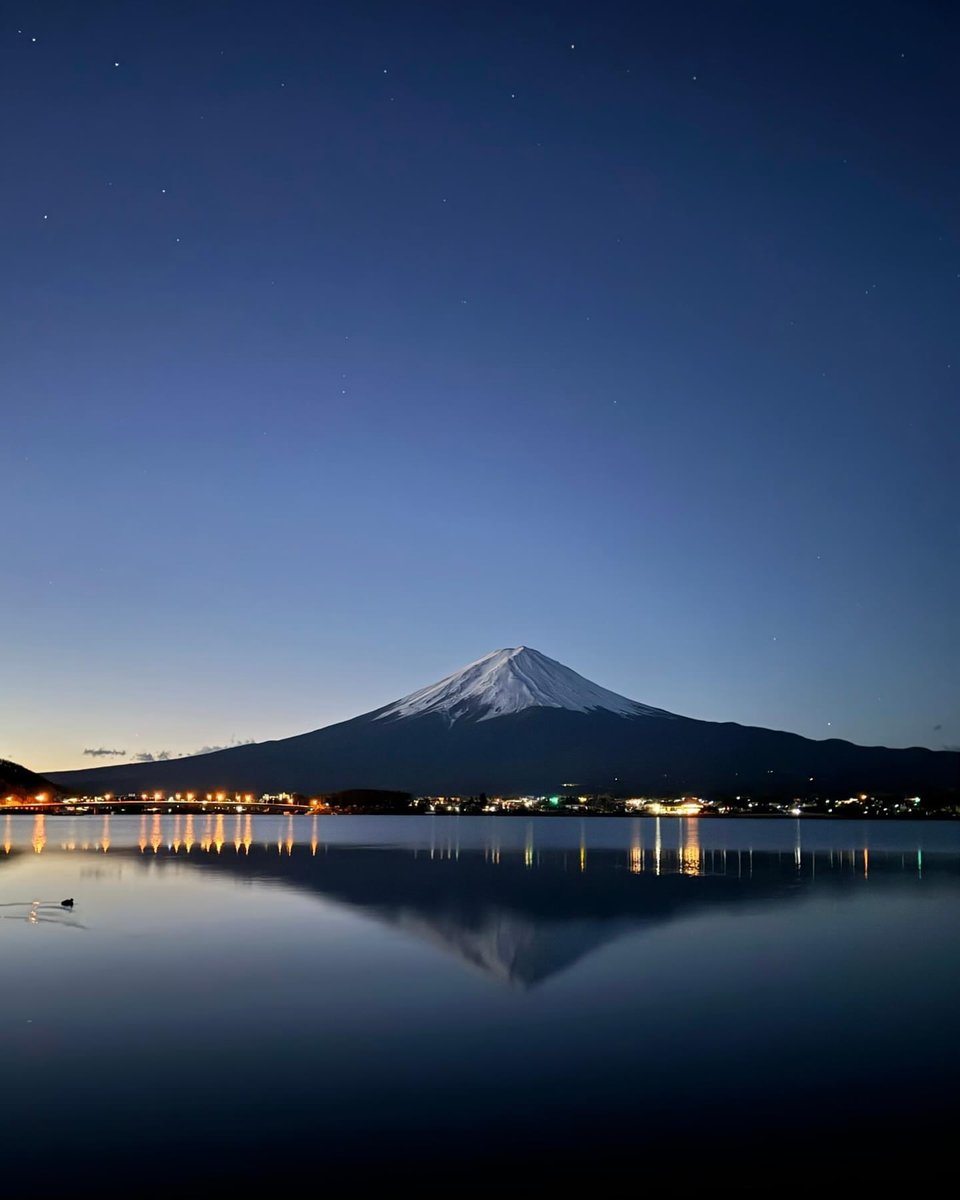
pixel 53 810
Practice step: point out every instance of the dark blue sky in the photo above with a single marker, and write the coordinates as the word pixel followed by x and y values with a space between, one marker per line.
pixel 341 343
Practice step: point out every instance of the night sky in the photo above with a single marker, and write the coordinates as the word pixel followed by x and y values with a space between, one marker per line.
pixel 343 342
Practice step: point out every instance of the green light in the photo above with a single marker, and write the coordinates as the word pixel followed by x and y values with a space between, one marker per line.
pixel 554 799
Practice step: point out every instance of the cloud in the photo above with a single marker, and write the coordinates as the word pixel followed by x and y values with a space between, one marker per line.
pixel 952 747
pixel 229 746
pixel 103 752
pixel 147 756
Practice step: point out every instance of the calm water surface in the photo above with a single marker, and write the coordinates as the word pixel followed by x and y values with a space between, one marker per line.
pixel 651 999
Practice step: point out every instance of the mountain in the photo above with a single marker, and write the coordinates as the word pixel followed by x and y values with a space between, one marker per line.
pixel 517 722
pixel 524 922
pixel 18 781
pixel 517 923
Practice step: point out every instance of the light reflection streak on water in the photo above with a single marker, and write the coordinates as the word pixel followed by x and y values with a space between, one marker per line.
pixel 636 850
pixel 39 833
pixel 686 856
pixel 690 861
pixel 657 847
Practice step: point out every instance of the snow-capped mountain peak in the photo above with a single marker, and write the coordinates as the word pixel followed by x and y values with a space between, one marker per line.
pixel 508 681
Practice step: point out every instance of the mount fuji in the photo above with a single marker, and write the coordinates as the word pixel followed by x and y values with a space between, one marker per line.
pixel 518 722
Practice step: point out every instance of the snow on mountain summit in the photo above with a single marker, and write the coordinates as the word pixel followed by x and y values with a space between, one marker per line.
pixel 507 681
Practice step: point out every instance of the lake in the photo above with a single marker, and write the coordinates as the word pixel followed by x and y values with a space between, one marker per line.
pixel 477 999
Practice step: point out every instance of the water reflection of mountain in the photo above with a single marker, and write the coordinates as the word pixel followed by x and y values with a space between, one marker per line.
pixel 522 917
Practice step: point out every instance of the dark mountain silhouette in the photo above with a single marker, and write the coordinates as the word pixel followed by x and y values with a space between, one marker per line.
pixel 517 722
pixel 18 781
pixel 522 924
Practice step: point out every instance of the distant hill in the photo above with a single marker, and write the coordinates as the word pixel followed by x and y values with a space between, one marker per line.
pixel 18 781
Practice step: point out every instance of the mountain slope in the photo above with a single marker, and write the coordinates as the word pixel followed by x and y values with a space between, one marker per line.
pixel 18 781
pixel 553 728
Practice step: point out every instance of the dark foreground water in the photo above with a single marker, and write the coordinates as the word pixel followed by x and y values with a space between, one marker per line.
pixel 454 1001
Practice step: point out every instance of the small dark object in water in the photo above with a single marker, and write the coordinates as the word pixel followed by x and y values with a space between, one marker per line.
pixel 67 903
